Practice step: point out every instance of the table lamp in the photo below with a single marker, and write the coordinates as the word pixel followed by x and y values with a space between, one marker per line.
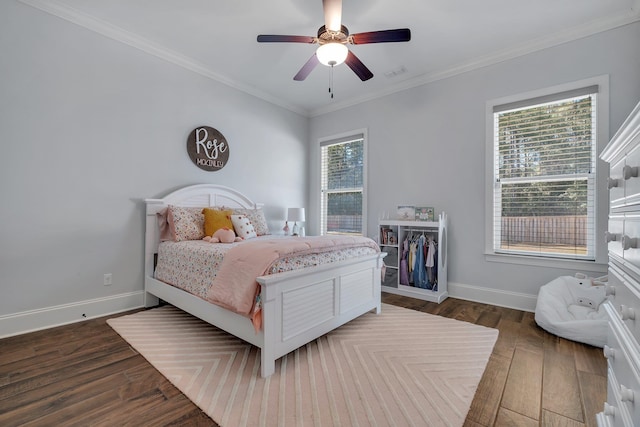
pixel 295 215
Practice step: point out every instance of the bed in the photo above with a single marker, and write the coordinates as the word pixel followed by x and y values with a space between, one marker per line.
pixel 297 306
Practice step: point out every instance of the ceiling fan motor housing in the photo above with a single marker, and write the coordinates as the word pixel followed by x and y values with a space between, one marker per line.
pixel 326 36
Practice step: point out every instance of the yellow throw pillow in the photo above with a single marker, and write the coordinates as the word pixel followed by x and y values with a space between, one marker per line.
pixel 215 219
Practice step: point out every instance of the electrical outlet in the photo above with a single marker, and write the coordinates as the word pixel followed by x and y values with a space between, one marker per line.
pixel 108 279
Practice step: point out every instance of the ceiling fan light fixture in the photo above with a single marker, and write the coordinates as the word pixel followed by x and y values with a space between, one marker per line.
pixel 332 54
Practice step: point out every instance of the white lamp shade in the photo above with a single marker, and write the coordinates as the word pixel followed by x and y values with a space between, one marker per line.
pixel 333 53
pixel 295 214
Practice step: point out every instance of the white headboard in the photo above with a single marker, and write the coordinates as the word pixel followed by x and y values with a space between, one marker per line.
pixel 199 195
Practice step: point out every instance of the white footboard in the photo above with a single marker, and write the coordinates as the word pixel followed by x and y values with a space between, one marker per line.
pixel 300 306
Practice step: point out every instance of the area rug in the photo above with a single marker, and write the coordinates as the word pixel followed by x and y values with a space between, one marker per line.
pixel 401 367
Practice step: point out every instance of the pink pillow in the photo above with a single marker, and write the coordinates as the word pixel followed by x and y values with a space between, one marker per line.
pixel 163 225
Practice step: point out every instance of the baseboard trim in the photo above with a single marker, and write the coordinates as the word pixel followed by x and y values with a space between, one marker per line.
pixel 515 300
pixel 49 317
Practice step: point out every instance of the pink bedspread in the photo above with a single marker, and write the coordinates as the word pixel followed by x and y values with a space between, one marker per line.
pixel 235 286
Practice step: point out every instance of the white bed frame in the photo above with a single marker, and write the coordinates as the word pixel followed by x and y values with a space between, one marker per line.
pixel 298 306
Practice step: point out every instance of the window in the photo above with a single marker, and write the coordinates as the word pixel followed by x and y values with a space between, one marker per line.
pixel 544 175
pixel 342 185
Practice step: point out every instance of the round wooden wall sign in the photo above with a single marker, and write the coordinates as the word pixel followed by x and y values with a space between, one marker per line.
pixel 207 148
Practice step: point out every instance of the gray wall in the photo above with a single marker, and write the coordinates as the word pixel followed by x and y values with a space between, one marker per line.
pixel 88 128
pixel 427 146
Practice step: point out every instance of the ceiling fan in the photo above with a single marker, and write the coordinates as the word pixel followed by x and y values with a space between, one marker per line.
pixel 332 40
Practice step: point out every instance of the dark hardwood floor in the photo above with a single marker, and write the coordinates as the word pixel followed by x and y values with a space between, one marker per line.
pixel 532 378
pixel 85 374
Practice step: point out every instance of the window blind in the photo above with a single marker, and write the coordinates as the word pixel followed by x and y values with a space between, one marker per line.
pixel 544 175
pixel 342 185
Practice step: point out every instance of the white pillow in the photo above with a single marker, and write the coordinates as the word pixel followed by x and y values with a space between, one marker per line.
pixel 587 296
pixel 257 218
pixel 243 227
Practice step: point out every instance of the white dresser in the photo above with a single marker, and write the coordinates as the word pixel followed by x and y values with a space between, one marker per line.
pixel 623 305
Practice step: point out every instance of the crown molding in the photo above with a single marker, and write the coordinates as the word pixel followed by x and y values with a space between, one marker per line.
pixel 119 34
pixel 571 34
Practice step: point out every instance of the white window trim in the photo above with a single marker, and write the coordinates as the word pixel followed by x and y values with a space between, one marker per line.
pixel 602 129
pixel 365 165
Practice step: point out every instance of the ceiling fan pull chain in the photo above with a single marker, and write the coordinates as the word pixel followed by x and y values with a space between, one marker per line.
pixel 331 82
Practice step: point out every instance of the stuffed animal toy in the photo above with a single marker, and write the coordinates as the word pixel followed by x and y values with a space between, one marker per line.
pixel 223 235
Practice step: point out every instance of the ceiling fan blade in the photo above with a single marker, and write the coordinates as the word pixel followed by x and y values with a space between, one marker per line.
pixel 274 38
pixel 332 14
pixel 358 67
pixel 384 36
pixel 307 68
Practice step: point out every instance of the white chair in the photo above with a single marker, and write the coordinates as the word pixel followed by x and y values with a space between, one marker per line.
pixel 571 307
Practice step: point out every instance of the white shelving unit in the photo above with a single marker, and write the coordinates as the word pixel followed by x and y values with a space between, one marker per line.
pixel 392 234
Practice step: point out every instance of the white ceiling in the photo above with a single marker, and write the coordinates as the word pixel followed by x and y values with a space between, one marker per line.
pixel 217 38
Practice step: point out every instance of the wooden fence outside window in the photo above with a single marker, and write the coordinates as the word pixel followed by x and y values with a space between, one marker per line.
pixel 547 230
